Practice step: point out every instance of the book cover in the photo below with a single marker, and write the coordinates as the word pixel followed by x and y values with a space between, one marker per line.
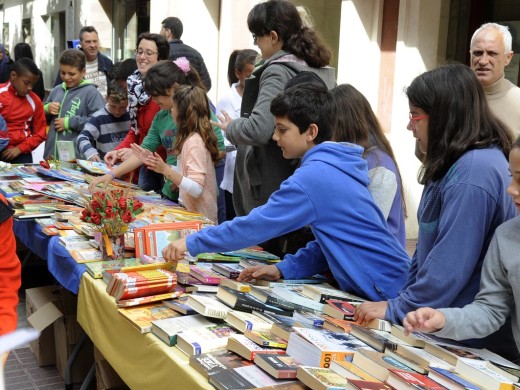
pixel 86 255
pixel 356 384
pixel 350 371
pixel 205 274
pixel 373 339
pixel 234 285
pixel 321 378
pixel 150 298
pixel 266 339
pixel 158 236
pixel 322 293
pixel 294 295
pixel 202 288
pixel 210 257
pixel 266 295
pixel 230 271
pixel 141 317
pixel 242 301
pixel 248 377
pixel 377 363
pixel 207 306
pixel 208 364
pixel 252 253
pixel 411 380
pixel 339 309
pixel 246 348
pixel 423 357
pixel 202 340
pixel 96 268
pixel 243 321
pixel 450 379
pixel 281 366
pixel 307 318
pixel 411 339
pixel 168 328
pixel 180 305
pixel 337 325
pixel 482 373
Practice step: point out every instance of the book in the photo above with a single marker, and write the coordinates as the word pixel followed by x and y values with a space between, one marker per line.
pixel 423 358
pixel 96 268
pixel 355 384
pixel 322 293
pixel 239 300
pixel 86 255
pixel 377 363
pixel 141 317
pixel 294 295
pixel 65 150
pixel 74 243
pixel 282 282
pixel 247 377
pixel 210 257
pixel 168 328
pixel 336 325
pixel 234 285
pixel 202 288
pixel 411 339
pixel 266 295
pixel 379 324
pixel 205 274
pixel 230 271
pixel 317 348
pixel 278 365
pixel 141 283
pixel 282 325
pixel 320 378
pixel 308 318
pixel 408 380
pixel 246 348
pixel 207 306
pixel 373 339
pixel 450 379
pixel 210 363
pixel 339 309
pixel 158 236
pixel 179 305
pixel 150 298
pixel 350 371
pixel 410 363
pixel 483 373
pixel 252 253
pixel 202 340
pixel 266 339
pixel 242 321
pixel 94 167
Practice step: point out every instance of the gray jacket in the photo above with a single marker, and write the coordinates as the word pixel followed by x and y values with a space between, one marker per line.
pixel 260 167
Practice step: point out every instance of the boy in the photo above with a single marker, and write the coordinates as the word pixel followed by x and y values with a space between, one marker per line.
pixel 330 193
pixel 23 111
pixel 107 127
pixel 71 103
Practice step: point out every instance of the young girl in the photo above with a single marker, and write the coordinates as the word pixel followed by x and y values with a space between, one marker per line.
pixel 499 295
pixel 355 122
pixel 465 174
pixel 196 149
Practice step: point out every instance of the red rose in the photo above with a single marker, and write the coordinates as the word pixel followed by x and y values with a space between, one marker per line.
pixel 45 164
pixel 137 205
pixel 84 215
pixel 110 213
pixel 127 216
pixel 110 204
pixel 95 205
pixel 122 203
pixel 96 218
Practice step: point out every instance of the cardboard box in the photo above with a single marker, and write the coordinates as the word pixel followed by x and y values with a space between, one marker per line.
pixel 60 311
pixel 35 299
pixel 106 377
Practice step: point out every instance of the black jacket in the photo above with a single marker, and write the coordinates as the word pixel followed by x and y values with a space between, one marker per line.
pixel 179 49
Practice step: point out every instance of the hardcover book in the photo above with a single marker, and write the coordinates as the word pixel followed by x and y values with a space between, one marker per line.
pixel 280 366
pixel 141 317
pixel 208 364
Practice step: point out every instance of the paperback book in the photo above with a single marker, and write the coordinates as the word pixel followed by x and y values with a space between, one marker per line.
pixel 203 340
pixel 280 366
pixel 208 364
pixel 319 378
pixel 246 348
pixel 322 293
pixel 141 317
pixel 248 377
pixel 207 306
pixel 266 339
pixel 168 328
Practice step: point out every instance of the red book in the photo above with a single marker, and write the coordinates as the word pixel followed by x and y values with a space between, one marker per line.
pixel 410 380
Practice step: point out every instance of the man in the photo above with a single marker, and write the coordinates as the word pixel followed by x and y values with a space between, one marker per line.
pixel 490 51
pixel 98 65
pixel 171 29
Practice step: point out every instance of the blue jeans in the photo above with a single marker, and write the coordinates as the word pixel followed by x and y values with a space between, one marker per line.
pixel 150 180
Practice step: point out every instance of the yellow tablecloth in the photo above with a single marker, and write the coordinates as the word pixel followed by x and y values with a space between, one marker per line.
pixel 142 361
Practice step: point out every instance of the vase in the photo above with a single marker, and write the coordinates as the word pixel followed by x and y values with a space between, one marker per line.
pixel 112 247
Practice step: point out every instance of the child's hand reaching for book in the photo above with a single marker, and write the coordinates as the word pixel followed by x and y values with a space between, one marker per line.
pixel 368 311
pixel 424 320
pixel 265 272
pixel 175 251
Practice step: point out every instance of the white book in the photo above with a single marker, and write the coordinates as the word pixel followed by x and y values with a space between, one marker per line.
pixel 207 306
pixel 243 321
pixel 167 329
pixel 294 295
pixel 203 340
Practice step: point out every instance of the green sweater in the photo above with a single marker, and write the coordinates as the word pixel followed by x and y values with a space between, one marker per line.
pixel 162 132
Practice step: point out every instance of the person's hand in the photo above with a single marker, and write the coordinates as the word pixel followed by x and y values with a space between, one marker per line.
pixel 54 108
pixel 59 124
pixel 151 160
pixel 224 119
pixel 111 158
pixel 105 179
pixel 10 153
pixel 95 158
pixel 175 251
pixel 368 311
pixel 424 320
pixel 265 272
pixel 124 154
pixel 140 152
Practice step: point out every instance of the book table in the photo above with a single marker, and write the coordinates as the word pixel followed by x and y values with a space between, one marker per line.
pixel 141 360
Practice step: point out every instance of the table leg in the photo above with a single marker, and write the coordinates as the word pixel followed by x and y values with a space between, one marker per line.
pixel 68 370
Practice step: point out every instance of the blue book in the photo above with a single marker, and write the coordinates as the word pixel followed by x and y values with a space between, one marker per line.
pixel 450 379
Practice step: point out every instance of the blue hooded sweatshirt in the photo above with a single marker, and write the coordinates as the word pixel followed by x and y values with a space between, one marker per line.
pixel 328 192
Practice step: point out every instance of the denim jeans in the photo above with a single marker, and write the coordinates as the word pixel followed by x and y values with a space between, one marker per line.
pixel 150 180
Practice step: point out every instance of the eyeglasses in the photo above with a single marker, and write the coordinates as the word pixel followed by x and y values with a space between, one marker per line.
pixel 146 53
pixel 414 119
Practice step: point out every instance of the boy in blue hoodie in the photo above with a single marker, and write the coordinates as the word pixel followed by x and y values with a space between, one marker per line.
pixel 70 104
pixel 329 192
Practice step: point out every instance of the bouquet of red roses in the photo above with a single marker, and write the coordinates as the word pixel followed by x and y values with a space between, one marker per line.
pixel 112 211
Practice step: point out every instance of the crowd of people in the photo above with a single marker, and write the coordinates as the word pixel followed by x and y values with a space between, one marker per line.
pixel 293 162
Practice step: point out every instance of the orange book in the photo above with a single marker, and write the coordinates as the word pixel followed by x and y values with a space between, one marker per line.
pixel 157 236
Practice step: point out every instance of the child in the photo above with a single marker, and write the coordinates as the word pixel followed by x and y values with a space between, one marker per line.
pixel 23 112
pixel 196 149
pixel 355 122
pixel 464 199
pixel 71 103
pixel 107 127
pixel 352 239
pixel 499 295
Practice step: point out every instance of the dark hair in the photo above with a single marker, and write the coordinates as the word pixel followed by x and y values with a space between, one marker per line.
pixel 116 92
pixel 459 118
pixel 174 25
pixel 238 60
pixel 282 17
pixel 354 121
pixel 164 75
pixel 25 65
pixel 194 116
pixel 86 29
pixel 516 144
pixel 73 57
pixel 122 69
pixel 23 50
pixel 304 104
pixel 163 47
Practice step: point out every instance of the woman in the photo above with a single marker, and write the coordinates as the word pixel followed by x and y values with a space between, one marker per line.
pixel 355 122
pixel 6 64
pixel 287 48
pixel 240 68
pixel 465 174
pixel 151 48
pixel 23 50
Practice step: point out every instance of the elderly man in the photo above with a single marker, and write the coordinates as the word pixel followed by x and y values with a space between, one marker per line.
pixel 98 65
pixel 491 52
pixel 172 29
